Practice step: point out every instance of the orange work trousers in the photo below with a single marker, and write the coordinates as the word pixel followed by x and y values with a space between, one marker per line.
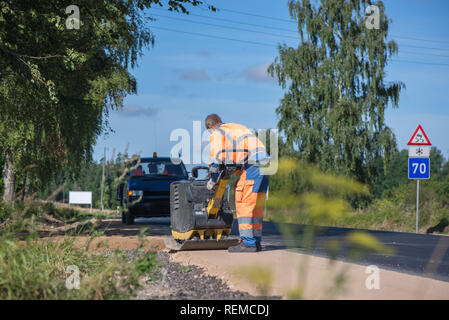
pixel 250 195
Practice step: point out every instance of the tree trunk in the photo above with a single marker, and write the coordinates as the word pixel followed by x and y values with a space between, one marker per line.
pixel 26 189
pixel 9 180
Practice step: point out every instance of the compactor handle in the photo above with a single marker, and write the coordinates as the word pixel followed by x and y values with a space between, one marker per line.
pixel 195 171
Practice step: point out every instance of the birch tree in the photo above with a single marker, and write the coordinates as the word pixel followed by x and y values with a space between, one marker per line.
pixel 333 112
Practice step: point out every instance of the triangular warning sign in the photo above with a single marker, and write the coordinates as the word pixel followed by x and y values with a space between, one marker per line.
pixel 419 138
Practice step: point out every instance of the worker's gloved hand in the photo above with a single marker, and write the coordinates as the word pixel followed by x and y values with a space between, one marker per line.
pixel 210 185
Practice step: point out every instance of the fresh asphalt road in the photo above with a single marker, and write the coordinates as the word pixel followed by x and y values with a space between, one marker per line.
pixel 417 254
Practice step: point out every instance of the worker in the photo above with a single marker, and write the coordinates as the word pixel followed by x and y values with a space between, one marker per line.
pixel 232 143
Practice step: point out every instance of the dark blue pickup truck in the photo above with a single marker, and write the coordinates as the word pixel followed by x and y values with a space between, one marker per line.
pixel 146 192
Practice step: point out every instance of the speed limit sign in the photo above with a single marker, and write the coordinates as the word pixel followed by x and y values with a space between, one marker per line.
pixel 418 168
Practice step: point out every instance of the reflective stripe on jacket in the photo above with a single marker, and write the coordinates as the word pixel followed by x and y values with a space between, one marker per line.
pixel 234 143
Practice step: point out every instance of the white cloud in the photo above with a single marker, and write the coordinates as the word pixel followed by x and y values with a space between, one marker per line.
pixel 257 73
pixel 204 54
pixel 193 74
pixel 132 110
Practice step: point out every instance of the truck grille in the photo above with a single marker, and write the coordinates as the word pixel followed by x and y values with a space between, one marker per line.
pixel 156 193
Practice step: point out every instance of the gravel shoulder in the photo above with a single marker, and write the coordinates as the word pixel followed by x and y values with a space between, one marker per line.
pixel 178 282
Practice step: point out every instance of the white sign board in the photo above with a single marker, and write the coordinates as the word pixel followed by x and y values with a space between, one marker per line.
pixel 80 197
pixel 419 151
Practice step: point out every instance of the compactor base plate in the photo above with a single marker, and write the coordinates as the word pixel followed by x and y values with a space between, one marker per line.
pixel 198 244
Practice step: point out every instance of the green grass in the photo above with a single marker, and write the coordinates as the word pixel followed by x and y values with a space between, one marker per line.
pixel 31 268
pixel 147 264
pixel 398 212
pixel 38 270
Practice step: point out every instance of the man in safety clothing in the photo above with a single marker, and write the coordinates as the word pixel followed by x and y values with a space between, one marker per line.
pixel 232 143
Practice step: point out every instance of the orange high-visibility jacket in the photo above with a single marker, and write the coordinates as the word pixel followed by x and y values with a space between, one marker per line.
pixel 234 143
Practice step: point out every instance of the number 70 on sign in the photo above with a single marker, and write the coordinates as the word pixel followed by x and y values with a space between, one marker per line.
pixel 418 168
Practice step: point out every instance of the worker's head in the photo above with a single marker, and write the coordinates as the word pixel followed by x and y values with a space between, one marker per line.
pixel 212 122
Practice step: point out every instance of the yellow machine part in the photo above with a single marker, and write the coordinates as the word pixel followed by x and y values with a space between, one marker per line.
pixel 201 233
pixel 215 203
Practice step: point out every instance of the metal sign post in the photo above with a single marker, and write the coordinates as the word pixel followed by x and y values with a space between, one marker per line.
pixel 417 205
pixel 418 161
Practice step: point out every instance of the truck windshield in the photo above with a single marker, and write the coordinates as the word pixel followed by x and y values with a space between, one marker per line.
pixel 156 167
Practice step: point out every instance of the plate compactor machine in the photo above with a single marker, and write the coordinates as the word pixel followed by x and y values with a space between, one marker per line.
pixel 200 218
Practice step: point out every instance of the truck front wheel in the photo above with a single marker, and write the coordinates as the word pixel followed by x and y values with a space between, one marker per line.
pixel 129 218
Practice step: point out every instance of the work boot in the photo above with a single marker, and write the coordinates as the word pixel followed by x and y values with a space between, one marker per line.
pixel 242 247
pixel 258 246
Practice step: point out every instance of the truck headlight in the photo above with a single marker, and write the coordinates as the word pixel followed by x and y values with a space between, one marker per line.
pixel 135 193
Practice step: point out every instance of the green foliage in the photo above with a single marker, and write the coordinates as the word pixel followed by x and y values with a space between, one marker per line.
pixel 261 277
pixel 58 85
pixel 31 268
pixel 390 176
pixel 34 268
pixel 385 182
pixel 303 194
pixel 147 264
pixel 187 269
pixel 321 201
pixel 38 270
pixel 333 111
pixel 363 243
pixel 396 172
pixel 392 198
pixel 89 178
pixel 394 204
pixel 397 212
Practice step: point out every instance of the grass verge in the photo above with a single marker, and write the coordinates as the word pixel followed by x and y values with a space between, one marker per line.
pixel 34 269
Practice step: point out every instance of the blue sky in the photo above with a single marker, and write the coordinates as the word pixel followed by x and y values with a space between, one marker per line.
pixel 184 76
